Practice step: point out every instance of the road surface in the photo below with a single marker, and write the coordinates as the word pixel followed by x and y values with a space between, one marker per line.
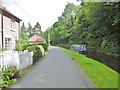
pixel 56 70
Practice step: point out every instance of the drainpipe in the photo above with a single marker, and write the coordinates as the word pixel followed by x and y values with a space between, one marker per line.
pixel 2 29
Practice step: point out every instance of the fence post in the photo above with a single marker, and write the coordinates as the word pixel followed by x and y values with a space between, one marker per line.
pixel 1 60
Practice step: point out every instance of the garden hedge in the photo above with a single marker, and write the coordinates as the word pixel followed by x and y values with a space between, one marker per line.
pixel 37 52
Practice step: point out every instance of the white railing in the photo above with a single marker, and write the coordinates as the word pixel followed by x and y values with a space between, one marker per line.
pixel 16 58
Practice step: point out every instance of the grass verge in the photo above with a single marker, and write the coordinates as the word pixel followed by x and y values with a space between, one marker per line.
pixel 101 75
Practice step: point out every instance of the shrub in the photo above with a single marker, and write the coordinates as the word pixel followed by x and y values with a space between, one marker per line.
pixel 45 46
pixel 37 53
pixel 24 47
pixel 19 47
pixel 14 71
pixel 9 76
pixel 42 49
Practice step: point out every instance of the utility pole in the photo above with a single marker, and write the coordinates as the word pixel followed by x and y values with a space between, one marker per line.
pixel 48 38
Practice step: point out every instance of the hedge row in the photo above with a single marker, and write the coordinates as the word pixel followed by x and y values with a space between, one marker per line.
pixel 37 53
pixel 23 47
pixel 38 50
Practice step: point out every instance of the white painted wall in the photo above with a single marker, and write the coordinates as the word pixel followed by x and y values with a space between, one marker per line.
pixel 9 32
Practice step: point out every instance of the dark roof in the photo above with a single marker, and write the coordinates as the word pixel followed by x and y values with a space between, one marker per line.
pixel 9 14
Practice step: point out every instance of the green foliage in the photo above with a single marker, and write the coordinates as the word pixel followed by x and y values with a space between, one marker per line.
pixel 29 30
pixel 42 49
pixel 37 52
pixel 101 75
pixel 67 46
pixel 9 76
pixel 95 26
pixel 45 35
pixel 26 33
pixel 24 47
pixel 23 38
pixel 61 30
pixel 45 46
pixel 37 28
pixel 23 28
pixel 19 47
pixel 2 49
pixel 91 23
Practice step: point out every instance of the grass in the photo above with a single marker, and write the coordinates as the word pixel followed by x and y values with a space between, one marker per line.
pixel 101 75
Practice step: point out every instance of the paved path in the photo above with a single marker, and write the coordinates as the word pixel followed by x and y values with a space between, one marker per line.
pixel 56 70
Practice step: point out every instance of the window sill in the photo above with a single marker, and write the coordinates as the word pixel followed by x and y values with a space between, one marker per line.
pixel 12 30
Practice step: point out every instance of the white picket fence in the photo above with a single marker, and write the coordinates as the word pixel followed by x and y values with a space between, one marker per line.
pixel 16 58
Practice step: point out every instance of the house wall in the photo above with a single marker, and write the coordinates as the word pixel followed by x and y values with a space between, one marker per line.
pixel 10 32
pixel 1 3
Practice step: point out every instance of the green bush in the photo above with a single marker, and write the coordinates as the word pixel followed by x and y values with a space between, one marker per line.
pixel 38 50
pixel 42 49
pixel 9 76
pixel 37 53
pixel 24 47
pixel 45 46
pixel 19 47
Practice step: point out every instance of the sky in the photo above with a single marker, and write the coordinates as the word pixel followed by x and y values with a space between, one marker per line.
pixel 46 12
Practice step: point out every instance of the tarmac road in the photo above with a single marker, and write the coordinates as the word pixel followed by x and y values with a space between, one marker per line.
pixel 56 70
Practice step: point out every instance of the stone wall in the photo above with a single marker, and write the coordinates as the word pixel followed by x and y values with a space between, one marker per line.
pixel 107 59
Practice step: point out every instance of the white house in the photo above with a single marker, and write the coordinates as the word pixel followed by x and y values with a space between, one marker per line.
pixel 9 28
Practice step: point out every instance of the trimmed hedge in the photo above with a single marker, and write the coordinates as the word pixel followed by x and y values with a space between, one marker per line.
pixel 37 52
pixel 42 49
pixel 38 49
pixel 45 46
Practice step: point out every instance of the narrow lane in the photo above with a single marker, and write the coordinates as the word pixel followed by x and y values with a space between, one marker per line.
pixel 56 70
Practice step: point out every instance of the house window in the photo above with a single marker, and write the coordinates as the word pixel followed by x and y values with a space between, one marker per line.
pixel 8 44
pixel 12 23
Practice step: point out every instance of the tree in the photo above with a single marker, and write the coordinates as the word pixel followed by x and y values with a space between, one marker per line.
pixel 23 28
pixel 23 36
pixel 30 30
pixel 37 27
pixel 92 23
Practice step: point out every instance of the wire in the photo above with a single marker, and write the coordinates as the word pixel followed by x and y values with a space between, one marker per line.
pixel 22 10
